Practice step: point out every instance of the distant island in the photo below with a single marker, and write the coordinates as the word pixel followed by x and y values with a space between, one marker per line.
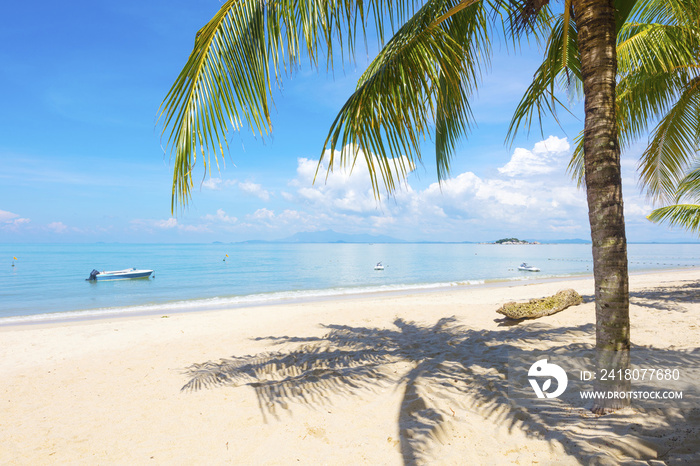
pixel 330 236
pixel 514 241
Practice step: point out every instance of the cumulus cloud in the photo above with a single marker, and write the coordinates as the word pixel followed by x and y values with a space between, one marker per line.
pixel 467 206
pixel 166 224
pixel 217 183
pixel 452 207
pixel 255 190
pixel 346 189
pixel 57 227
pixel 154 224
pixel 500 202
pixel 220 217
pixel 635 208
pixel 544 158
pixel 19 221
pixel 11 221
pixel 194 228
pixel 6 216
pixel 248 187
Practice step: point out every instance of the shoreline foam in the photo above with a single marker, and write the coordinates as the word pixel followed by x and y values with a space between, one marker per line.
pixel 419 380
pixel 283 297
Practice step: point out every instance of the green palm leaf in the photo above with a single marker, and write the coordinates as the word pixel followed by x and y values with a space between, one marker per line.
pixel 657 59
pixel 561 61
pixel 246 47
pixel 423 76
pixel 683 215
pixel 689 187
pixel 673 146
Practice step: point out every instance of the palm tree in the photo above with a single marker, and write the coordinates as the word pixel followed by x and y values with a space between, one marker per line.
pixel 422 78
pixel 658 48
pixel 658 80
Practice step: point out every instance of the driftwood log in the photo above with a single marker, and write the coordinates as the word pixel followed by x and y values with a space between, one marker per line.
pixel 541 307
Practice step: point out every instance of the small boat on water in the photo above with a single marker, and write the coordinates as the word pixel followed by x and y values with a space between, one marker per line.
pixel 125 274
pixel 379 266
pixel 528 268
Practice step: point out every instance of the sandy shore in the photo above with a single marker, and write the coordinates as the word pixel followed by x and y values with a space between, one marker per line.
pixel 416 378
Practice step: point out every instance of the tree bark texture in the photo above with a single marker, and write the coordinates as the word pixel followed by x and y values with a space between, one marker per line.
pixel 595 20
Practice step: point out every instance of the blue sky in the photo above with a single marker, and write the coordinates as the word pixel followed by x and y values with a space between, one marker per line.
pixel 82 158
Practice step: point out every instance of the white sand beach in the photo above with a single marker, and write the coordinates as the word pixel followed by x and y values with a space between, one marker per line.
pixel 375 379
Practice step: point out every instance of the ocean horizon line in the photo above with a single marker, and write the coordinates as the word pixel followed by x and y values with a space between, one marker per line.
pixel 253 242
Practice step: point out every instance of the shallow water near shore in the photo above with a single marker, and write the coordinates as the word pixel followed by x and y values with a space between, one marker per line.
pixel 47 281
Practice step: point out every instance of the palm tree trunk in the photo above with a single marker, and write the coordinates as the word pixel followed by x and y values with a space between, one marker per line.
pixel 595 20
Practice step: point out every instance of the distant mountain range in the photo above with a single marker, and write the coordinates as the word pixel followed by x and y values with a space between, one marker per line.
pixel 330 236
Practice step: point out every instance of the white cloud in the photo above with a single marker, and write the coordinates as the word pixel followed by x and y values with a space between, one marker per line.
pixel 166 224
pixel 6 216
pixel 553 145
pixel 501 204
pixel 346 189
pixel 467 206
pixel 263 214
pixel 160 225
pixel 154 224
pixel 217 183
pixel 635 208
pixel 220 217
pixel 255 190
pixel 544 158
pixel 11 221
pixel 57 227
pixel 194 228
pixel 451 210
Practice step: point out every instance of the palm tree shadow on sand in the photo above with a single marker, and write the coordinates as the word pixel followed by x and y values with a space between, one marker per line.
pixel 445 369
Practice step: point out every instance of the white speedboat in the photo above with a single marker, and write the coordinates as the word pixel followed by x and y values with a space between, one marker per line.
pixel 528 268
pixel 379 266
pixel 119 274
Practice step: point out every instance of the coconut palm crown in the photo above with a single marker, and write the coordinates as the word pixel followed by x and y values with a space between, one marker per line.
pixel 419 84
pixel 658 50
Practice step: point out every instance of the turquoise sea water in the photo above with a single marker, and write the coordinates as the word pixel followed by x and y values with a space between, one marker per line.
pixel 48 280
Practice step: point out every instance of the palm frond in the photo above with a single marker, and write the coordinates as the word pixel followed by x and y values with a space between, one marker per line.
pixel 524 15
pixel 689 187
pixel 658 54
pixel 655 48
pixel 643 99
pixel 561 58
pixel 655 64
pixel 239 55
pixel 657 58
pixel 423 76
pixel 453 113
pixel 576 167
pixel 681 215
pixel 673 146
pixel 665 12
